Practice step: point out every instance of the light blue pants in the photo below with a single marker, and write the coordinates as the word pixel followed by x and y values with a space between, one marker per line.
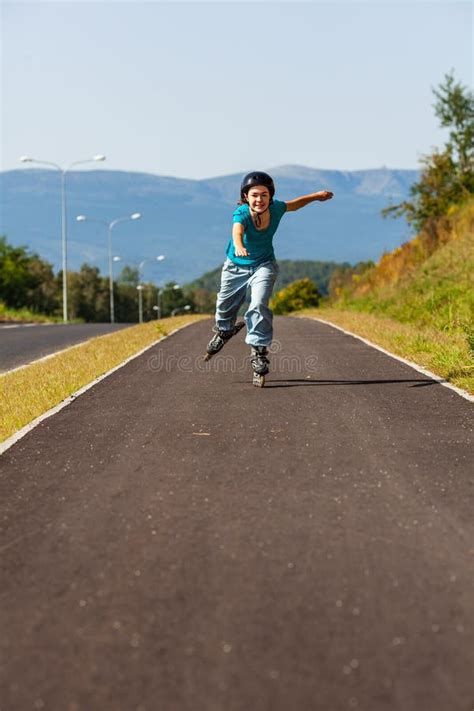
pixel 235 280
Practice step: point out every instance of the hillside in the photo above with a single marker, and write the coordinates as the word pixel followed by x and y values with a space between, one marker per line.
pixel 290 270
pixel 189 221
pixel 427 281
pixel 417 301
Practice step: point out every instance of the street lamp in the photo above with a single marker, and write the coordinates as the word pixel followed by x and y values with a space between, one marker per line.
pixel 110 226
pixel 63 171
pixel 159 258
pixel 158 309
pixel 176 311
pixel 140 288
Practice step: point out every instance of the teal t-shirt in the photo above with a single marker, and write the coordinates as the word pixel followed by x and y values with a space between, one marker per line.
pixel 259 243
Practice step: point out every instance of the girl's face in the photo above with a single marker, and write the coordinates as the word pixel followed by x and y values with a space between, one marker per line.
pixel 259 198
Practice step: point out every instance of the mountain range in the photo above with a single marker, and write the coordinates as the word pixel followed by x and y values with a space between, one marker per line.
pixel 189 221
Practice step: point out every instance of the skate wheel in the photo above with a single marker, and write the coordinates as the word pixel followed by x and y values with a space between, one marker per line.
pixel 258 380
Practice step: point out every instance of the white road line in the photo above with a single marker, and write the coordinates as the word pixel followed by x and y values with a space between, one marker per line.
pixel 417 367
pixel 6 444
pixel 55 353
pixel 50 355
pixel 28 325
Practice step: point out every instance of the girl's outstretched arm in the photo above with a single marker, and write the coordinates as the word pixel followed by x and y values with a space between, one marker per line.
pixel 238 236
pixel 300 202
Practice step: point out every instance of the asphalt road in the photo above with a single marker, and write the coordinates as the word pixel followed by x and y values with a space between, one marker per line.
pixel 177 540
pixel 21 344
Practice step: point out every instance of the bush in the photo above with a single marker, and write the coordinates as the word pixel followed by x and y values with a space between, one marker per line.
pixel 301 294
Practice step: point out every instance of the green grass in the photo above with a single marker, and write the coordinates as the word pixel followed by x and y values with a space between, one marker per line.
pixel 447 354
pixel 438 295
pixel 26 316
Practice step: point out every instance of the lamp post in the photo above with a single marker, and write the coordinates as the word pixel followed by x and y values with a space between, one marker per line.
pixel 159 258
pixel 158 311
pixel 140 288
pixel 186 308
pixel 63 171
pixel 110 226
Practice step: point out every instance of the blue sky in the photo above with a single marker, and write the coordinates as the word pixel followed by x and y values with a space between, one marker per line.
pixel 195 89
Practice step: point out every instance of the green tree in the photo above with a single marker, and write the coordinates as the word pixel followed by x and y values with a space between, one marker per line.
pixel 14 275
pixel 455 109
pixel 129 276
pixel 125 303
pixel 42 294
pixel 203 300
pixel 26 280
pixel 301 294
pixel 150 299
pixel 88 295
pixel 126 296
pixel 447 176
pixel 171 298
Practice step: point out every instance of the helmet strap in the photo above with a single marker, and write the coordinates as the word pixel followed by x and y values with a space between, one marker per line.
pixel 258 216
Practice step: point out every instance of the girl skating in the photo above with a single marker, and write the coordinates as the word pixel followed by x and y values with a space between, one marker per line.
pixel 251 264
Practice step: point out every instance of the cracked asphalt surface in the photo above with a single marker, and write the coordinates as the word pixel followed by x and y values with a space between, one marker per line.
pixel 176 539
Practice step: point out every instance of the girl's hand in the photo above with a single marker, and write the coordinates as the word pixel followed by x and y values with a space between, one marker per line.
pixel 325 195
pixel 241 252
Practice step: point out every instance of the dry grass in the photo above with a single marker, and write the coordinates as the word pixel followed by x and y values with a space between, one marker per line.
pixel 31 391
pixel 443 251
pixel 445 354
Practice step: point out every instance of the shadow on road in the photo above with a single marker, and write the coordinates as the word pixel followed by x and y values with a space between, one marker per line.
pixel 298 382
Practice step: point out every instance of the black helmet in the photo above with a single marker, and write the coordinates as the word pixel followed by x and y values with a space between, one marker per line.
pixel 257 177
